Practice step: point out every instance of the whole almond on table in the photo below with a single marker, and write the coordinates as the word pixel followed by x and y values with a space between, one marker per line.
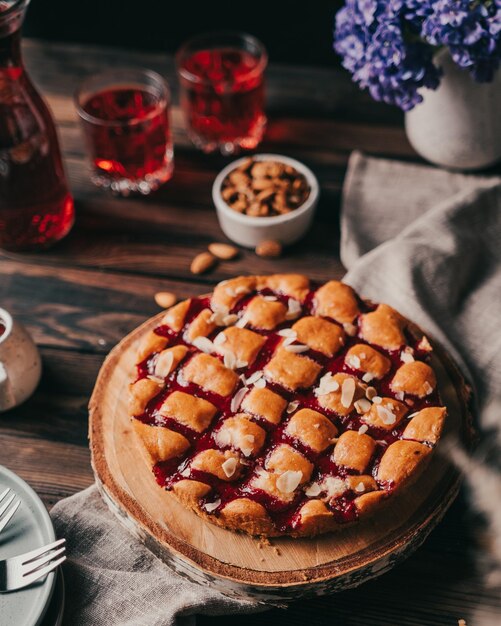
pixel 269 248
pixel 165 299
pixel 224 251
pixel 203 262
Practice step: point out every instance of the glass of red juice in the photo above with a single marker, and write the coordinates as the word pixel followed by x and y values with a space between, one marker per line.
pixel 125 118
pixel 222 91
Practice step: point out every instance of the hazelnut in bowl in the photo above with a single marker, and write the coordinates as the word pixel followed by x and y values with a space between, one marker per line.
pixel 265 197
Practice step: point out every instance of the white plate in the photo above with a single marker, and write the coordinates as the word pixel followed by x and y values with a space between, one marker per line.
pixel 30 528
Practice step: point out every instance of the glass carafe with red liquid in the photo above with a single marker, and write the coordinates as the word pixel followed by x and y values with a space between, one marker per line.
pixel 36 208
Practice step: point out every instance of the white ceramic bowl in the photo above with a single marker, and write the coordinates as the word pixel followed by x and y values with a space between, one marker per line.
pixel 250 231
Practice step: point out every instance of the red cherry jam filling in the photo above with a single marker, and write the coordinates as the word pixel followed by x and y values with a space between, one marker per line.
pixel 285 515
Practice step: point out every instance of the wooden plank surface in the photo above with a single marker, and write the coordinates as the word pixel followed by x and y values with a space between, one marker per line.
pixel 81 297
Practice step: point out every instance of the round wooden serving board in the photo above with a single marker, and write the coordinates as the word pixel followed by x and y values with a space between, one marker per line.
pixel 244 566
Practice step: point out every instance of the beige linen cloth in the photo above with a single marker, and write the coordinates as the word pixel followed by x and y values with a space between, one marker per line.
pixel 424 240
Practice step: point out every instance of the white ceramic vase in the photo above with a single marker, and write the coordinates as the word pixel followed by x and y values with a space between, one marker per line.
pixel 20 364
pixel 458 125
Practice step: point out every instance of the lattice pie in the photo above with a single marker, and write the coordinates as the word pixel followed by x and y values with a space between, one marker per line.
pixel 281 407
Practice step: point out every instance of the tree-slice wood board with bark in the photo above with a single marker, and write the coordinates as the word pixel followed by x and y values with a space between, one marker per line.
pixel 240 565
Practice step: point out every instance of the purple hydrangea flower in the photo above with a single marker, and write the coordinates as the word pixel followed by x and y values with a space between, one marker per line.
pixel 471 31
pixel 370 38
pixel 388 45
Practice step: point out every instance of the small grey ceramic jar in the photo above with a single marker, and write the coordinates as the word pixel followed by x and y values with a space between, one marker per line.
pixel 20 364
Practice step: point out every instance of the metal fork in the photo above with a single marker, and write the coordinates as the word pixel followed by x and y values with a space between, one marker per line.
pixel 20 571
pixel 6 513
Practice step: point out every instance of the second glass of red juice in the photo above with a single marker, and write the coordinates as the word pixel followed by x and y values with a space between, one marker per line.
pixel 222 91
pixel 125 118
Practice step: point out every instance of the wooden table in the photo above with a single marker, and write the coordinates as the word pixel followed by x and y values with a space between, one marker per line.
pixel 81 297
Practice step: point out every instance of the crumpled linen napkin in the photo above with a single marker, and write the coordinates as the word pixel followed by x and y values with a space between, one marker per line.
pixel 424 240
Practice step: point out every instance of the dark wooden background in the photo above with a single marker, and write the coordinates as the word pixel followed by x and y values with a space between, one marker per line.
pixel 294 32
pixel 81 297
